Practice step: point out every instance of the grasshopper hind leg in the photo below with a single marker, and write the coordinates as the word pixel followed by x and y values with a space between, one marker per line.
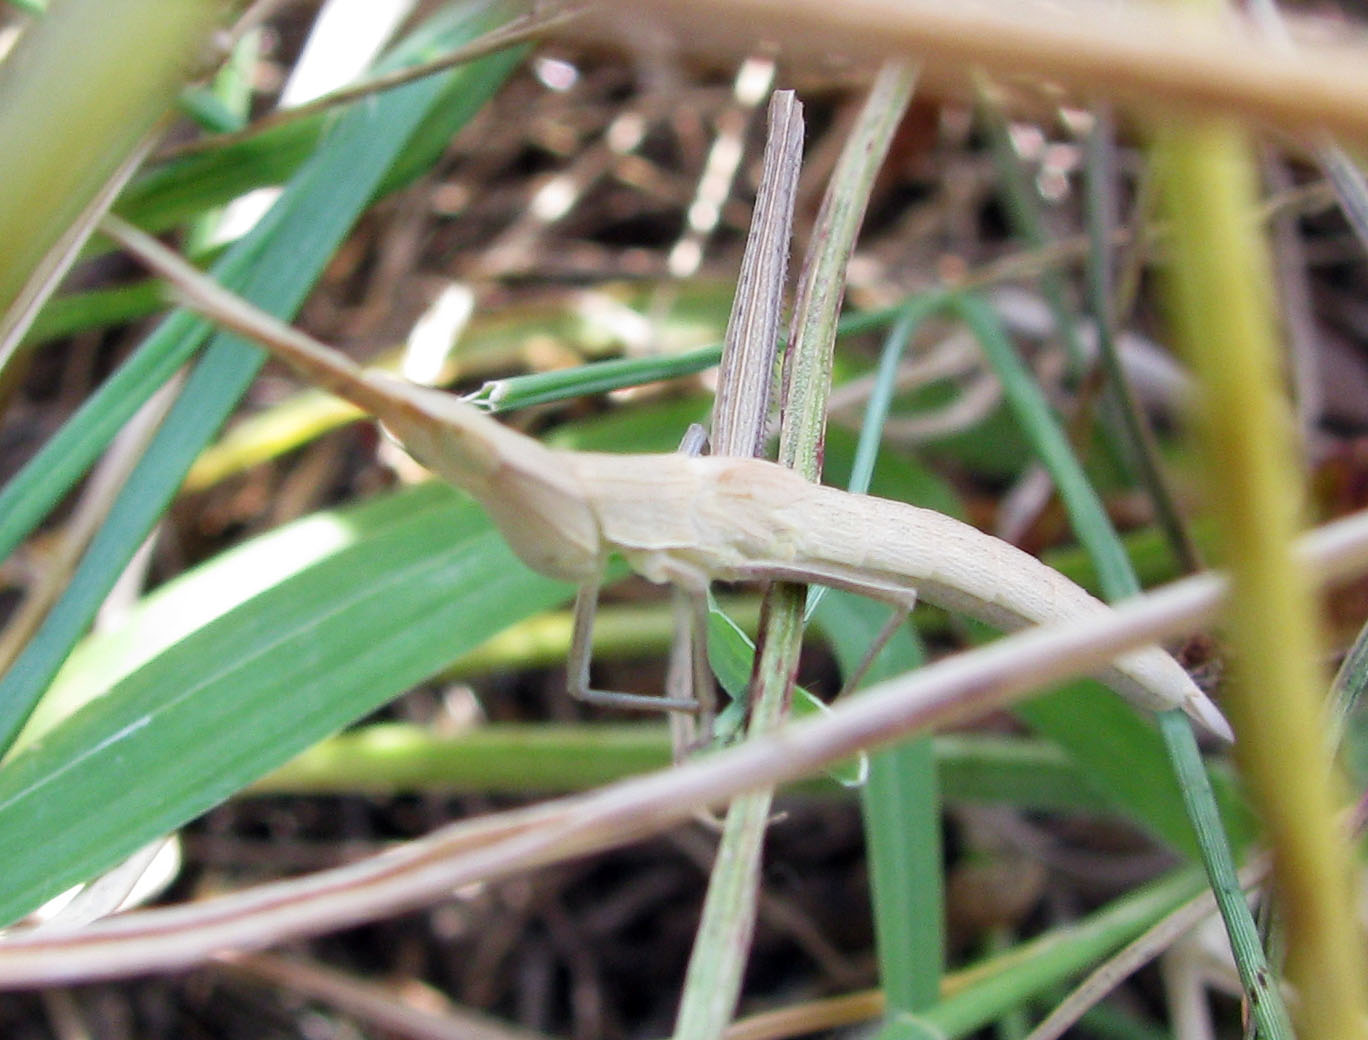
pixel 690 696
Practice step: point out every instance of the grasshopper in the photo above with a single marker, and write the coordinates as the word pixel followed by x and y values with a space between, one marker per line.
pixel 689 520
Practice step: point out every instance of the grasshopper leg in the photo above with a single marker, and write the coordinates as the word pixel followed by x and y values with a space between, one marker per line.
pixel 577 667
pixel 894 622
pixel 689 687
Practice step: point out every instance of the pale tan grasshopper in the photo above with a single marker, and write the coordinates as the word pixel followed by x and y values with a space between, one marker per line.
pixel 688 520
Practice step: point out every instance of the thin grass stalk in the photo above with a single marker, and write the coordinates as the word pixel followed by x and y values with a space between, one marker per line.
pixel 1023 206
pixel 1218 288
pixel 851 1009
pixel 1051 445
pixel 503 395
pixel 1194 783
pixel 1259 981
pixel 900 802
pixel 713 981
pixel 371 1003
pixel 1044 962
pixel 1119 967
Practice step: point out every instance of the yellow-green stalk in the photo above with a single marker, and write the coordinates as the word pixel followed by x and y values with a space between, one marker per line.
pixel 1219 289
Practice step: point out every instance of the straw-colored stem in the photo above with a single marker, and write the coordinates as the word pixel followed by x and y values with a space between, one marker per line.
pixel 713 980
pixel 1219 289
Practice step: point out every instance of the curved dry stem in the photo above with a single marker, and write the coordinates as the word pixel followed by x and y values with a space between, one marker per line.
pixel 503 845
pixel 1148 56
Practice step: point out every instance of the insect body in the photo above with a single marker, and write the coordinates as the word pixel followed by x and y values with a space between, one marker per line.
pixel 689 520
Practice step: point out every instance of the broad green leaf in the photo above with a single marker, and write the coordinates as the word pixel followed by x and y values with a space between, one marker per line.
pixel 1123 758
pixel 198 597
pixel 404 592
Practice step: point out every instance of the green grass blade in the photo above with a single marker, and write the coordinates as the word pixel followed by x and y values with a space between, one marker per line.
pixel 41 484
pixel 1116 751
pixel 914 312
pixel 171 193
pixel 182 606
pixel 1013 978
pixel 1024 209
pixel 901 808
pixel 1118 581
pixel 392 758
pixel 900 802
pixel 71 313
pixel 397 602
pixel 1036 418
pixel 619 374
pixel 1100 213
pixel 182 188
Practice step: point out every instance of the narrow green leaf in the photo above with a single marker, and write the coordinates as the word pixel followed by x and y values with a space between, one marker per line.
pixel 901 808
pixel 1012 978
pixel 96 309
pixel 392 758
pixel 1037 420
pixel 901 802
pixel 1118 580
pixel 620 373
pixel 731 653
